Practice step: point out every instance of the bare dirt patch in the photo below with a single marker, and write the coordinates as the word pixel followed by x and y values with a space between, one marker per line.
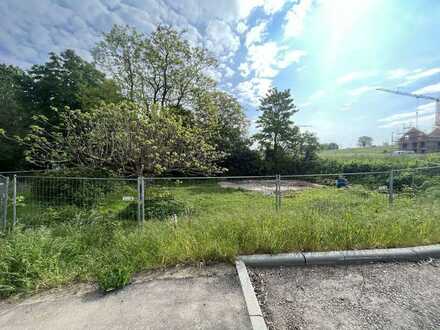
pixel 268 186
pixel 370 296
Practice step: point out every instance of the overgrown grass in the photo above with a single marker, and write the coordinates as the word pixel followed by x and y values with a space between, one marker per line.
pixel 222 224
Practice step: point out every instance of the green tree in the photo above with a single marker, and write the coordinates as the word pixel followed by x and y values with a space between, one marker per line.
pixel 124 138
pixel 329 146
pixel 365 141
pixel 13 115
pixel 225 124
pixel 277 130
pixel 160 68
pixel 66 80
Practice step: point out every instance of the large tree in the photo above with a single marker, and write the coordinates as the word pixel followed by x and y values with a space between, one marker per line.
pixel 160 68
pixel 286 149
pixel 13 115
pixel 124 138
pixel 276 126
pixel 66 80
pixel 365 141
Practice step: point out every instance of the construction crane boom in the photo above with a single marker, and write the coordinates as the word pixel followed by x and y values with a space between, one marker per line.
pixel 417 96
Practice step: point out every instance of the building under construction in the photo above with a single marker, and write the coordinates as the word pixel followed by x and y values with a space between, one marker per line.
pixel 414 139
pixel 420 142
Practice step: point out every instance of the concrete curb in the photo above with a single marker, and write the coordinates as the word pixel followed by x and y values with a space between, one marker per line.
pixel 253 308
pixel 320 258
pixel 342 257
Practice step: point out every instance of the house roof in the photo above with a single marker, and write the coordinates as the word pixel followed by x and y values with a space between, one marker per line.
pixel 414 131
pixel 435 132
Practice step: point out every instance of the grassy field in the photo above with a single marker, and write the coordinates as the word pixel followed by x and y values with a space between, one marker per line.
pixel 371 159
pixel 213 225
pixel 370 152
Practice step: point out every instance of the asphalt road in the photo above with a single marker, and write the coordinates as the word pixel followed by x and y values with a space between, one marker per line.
pixel 179 298
pixel 370 296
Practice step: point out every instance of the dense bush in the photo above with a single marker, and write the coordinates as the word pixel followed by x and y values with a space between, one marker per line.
pixel 160 204
pixel 114 272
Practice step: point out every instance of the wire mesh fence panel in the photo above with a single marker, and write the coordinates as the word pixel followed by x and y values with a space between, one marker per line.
pixel 208 197
pixel 334 211
pixel 4 182
pixel 322 202
pixel 41 199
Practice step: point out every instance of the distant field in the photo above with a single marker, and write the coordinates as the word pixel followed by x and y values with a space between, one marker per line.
pixel 376 152
pixel 373 153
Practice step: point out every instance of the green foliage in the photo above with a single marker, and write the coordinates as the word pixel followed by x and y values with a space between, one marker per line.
pixel 159 205
pixel 64 187
pixel 64 81
pixel 286 149
pixel 365 141
pixel 114 273
pixel 226 223
pixel 329 146
pixel 124 138
pixel 160 68
pixel 13 116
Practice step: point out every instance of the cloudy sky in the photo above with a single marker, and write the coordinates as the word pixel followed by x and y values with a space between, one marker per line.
pixel 332 54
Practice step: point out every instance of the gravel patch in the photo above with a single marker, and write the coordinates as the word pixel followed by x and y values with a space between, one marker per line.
pixel 268 186
pixel 369 296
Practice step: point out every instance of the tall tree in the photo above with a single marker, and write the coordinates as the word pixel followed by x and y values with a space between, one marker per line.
pixel 365 141
pixel 276 126
pixel 66 80
pixel 160 68
pixel 13 116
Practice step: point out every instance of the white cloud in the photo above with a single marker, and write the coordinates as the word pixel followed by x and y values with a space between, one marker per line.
pixel 426 115
pixel 221 39
pixel 226 71
pixel 267 59
pixel 347 107
pixel 289 57
pixel 256 34
pixel 270 7
pixel 241 27
pixel 419 74
pixel 32 28
pixel 397 73
pixel 361 90
pixel 250 91
pixel 244 69
pixel 356 75
pixel 411 76
pixel 317 95
pixel 295 17
pixel 273 6
pixel 430 89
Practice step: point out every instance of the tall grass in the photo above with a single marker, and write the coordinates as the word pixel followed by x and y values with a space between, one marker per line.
pixel 222 224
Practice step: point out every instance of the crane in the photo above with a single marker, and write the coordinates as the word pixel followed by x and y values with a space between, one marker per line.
pixel 418 96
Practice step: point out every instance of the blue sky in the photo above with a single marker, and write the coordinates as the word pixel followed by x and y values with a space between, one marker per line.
pixel 332 54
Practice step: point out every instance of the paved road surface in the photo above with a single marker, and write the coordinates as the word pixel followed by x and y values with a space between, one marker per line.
pixel 372 296
pixel 180 298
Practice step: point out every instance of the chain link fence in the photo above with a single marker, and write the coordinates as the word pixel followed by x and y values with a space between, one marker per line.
pixel 40 199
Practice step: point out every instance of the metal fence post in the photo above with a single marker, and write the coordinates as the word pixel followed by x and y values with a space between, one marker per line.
pixel 391 187
pixel 139 199
pixel 14 200
pixel 142 199
pixel 5 205
pixel 278 192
